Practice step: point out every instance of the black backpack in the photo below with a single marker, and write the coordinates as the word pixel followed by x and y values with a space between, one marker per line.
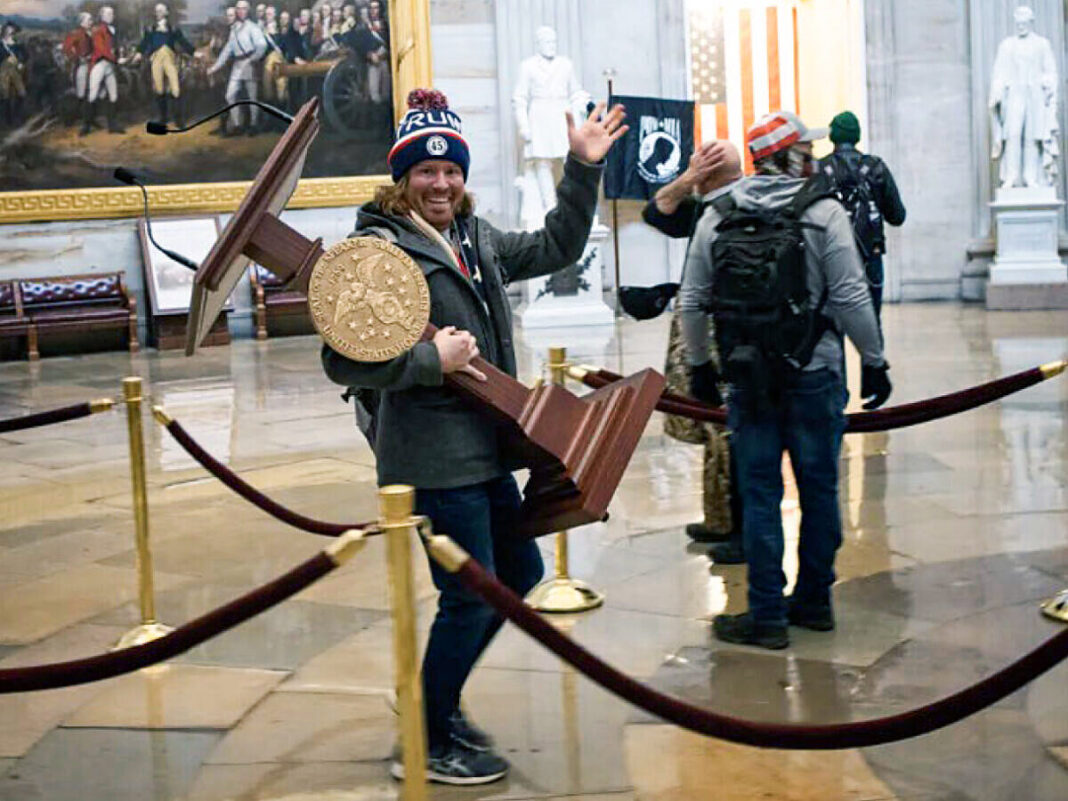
pixel 766 326
pixel 854 190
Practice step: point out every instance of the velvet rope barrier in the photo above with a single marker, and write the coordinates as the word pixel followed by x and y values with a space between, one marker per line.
pixel 61 415
pixel 908 414
pixel 859 734
pixel 246 490
pixel 193 633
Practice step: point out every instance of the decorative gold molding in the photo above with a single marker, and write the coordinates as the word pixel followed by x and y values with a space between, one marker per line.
pixel 409 26
pixel 104 203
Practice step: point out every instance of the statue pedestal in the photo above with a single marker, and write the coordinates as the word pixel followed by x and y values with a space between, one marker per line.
pixel 1026 272
pixel 570 298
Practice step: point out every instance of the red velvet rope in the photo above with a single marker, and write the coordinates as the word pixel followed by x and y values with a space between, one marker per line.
pixel 908 414
pixel 253 495
pixel 37 419
pixel 193 633
pixel 859 734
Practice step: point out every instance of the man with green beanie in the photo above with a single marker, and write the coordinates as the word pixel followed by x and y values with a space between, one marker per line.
pixel 866 188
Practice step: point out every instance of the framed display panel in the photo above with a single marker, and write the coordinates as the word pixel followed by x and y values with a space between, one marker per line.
pixel 56 174
pixel 168 284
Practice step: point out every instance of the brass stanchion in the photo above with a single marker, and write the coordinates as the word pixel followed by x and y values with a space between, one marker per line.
pixel 562 593
pixel 395 505
pixel 1057 606
pixel 150 629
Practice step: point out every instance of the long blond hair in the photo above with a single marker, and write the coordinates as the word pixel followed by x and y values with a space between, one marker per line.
pixel 392 199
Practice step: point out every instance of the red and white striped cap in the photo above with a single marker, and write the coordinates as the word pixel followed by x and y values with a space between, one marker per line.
pixel 778 130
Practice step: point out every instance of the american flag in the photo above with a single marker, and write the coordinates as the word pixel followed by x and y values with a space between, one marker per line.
pixel 743 64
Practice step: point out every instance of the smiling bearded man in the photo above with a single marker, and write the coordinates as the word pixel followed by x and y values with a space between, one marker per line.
pixel 424 433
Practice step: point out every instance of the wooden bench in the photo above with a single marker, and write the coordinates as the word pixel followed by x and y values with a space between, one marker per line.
pixel 13 322
pixel 278 311
pixel 67 307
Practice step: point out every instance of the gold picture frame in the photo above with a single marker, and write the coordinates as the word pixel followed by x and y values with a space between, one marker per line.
pixel 411 59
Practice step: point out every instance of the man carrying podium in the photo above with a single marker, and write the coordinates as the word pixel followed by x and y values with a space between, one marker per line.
pixel 424 433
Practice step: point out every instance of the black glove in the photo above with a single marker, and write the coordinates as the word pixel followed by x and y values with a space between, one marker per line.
pixel 875 385
pixel 704 384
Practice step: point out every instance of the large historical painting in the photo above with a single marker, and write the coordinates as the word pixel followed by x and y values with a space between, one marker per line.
pixel 79 80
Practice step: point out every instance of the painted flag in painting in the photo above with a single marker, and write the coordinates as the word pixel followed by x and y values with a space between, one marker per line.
pixel 655 150
pixel 743 64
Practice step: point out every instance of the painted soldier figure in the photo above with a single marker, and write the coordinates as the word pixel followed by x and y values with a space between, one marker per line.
pixel 103 72
pixel 12 72
pixel 161 45
pixel 246 47
pixel 78 50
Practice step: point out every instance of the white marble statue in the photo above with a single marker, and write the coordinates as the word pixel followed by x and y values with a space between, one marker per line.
pixel 1023 106
pixel 546 88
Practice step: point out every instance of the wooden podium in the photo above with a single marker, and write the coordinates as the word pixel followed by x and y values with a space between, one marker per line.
pixel 576 448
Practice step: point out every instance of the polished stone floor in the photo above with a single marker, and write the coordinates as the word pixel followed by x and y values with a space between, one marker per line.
pixel 955 531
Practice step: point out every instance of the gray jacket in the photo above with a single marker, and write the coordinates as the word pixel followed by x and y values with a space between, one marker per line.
pixel 832 260
pixel 428 435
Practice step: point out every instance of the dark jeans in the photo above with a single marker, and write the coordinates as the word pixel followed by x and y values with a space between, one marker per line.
pixel 809 426
pixel 873 269
pixel 481 518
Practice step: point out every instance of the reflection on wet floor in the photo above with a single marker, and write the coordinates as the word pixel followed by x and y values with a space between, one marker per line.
pixel 954 531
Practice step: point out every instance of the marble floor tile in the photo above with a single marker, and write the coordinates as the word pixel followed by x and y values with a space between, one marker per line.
pixel 118 765
pixel 310 727
pixel 702 768
pixel 281 638
pixel 177 697
pixel 294 781
pixel 37 608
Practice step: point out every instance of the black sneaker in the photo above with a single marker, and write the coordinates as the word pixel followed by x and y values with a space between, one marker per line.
pixel 457 764
pixel 467 733
pixel 743 630
pixel 727 553
pixel 814 616
pixel 699 532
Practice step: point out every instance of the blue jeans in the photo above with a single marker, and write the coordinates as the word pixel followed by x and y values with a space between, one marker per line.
pixel 482 519
pixel 808 425
pixel 873 270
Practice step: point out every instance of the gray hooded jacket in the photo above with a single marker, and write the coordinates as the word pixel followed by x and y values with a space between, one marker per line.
pixel 832 260
pixel 427 434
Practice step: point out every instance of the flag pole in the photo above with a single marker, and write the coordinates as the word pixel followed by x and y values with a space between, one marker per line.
pixel 615 216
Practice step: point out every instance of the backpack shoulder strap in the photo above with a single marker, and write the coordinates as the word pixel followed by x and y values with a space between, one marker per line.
pixel 815 188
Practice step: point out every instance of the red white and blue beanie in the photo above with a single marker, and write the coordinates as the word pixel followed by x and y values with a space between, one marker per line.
pixel 428 131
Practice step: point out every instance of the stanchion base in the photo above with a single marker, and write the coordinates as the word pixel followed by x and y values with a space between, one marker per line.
pixel 1057 607
pixel 564 595
pixel 146 632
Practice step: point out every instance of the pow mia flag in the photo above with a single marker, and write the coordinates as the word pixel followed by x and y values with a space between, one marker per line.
pixel 655 150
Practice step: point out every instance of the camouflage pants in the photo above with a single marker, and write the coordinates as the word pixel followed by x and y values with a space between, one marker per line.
pixel 716 479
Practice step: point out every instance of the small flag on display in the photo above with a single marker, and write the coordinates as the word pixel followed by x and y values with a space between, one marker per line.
pixel 655 150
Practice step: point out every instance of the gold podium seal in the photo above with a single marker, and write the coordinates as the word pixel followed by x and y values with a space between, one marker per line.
pixel 368 299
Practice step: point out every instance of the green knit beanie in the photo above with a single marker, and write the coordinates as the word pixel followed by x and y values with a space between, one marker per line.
pixel 845 127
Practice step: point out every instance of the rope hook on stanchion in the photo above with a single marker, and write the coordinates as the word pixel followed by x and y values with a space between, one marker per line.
pixel 562 593
pixel 396 503
pixel 149 629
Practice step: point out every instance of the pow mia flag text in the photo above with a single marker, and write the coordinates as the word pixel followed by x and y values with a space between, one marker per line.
pixel 654 151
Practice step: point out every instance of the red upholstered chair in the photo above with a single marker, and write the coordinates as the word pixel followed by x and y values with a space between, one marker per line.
pixel 278 311
pixel 74 305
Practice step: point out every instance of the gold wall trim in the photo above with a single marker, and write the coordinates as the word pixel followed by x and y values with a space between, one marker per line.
pixel 105 203
pixel 410 30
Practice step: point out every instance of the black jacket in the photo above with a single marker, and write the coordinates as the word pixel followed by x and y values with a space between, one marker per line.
pixel 427 435
pixel 847 158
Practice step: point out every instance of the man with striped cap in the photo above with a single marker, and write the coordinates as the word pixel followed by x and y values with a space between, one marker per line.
pixel 771 410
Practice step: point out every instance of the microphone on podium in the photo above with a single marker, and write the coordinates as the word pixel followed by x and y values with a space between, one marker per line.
pixel 160 128
pixel 125 176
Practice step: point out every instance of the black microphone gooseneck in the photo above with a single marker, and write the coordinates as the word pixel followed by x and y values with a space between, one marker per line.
pixel 127 177
pixel 160 128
